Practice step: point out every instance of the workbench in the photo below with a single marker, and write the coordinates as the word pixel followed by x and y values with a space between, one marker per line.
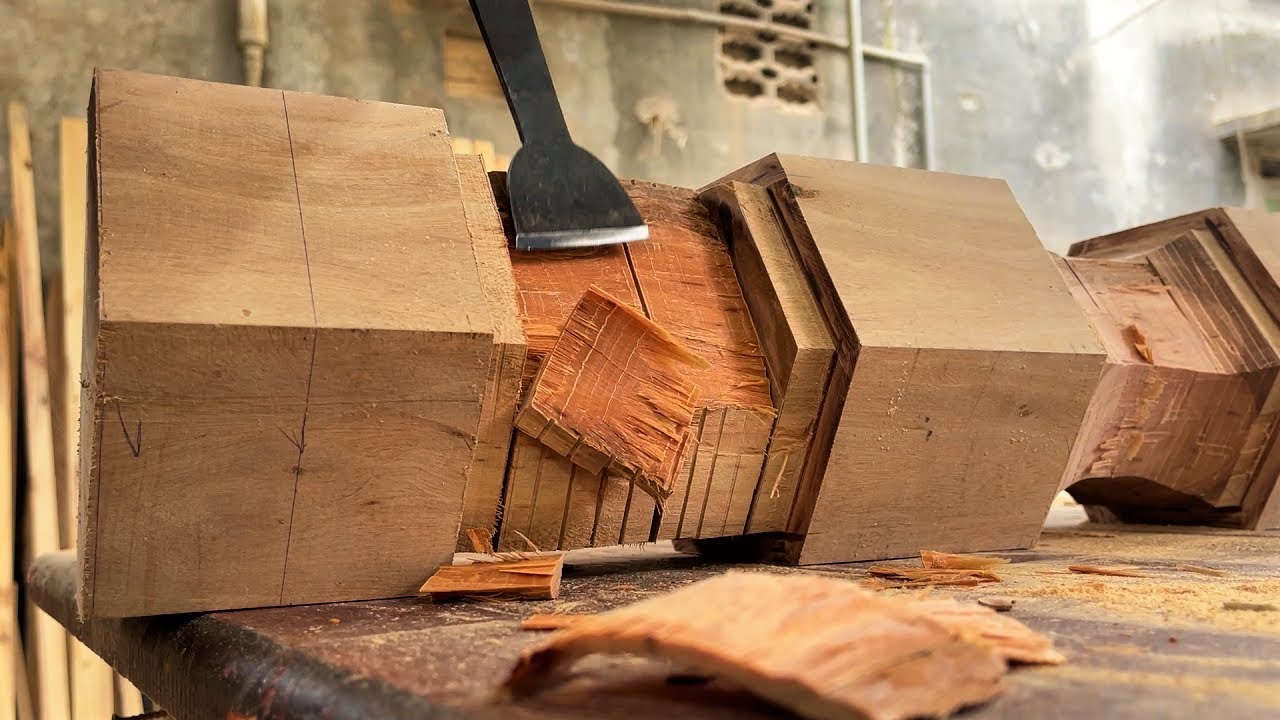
pixel 1162 645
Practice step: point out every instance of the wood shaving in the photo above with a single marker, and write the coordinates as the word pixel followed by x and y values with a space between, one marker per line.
pixel 997 603
pixel 951 561
pixel 818 646
pixel 1201 570
pixel 1100 570
pixel 550 621
pixel 897 576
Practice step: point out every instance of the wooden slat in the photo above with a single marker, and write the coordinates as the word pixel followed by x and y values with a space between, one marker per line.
pixel 10 642
pixel 50 641
pixel 91 678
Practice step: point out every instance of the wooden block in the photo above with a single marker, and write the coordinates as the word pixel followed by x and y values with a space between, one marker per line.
pixel 525 578
pixel 502 391
pixel 797 348
pixel 615 384
pixel 290 346
pixel 49 640
pixel 1182 426
pixel 962 369
pixel 688 285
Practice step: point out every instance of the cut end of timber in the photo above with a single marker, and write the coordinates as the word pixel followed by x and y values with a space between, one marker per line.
pixel 613 394
pixel 522 578
pixel 899 657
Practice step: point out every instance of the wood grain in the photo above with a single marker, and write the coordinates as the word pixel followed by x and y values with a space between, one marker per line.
pixel 262 327
pixel 483 496
pixel 49 641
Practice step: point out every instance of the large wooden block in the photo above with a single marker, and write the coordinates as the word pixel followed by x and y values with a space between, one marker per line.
pixel 1183 426
pixel 287 344
pixel 962 366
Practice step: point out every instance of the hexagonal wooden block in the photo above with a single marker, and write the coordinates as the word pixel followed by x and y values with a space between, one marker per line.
pixel 962 365
pixel 1183 425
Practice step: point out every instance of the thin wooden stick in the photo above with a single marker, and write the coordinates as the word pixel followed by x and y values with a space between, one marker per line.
pixel 49 639
pixel 10 645
pixel 128 698
pixel 92 690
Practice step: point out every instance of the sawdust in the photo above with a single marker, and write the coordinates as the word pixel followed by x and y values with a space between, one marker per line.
pixel 1175 600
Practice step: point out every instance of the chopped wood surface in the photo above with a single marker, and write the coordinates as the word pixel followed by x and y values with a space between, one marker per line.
pixel 531 578
pixel 817 646
pixel 614 394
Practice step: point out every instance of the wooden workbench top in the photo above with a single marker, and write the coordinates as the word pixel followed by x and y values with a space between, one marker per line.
pixel 1155 646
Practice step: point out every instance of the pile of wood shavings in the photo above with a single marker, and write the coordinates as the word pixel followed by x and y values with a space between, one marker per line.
pixel 937 569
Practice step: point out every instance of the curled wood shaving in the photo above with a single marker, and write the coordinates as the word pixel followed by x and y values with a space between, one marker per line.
pixel 997 603
pixel 952 561
pixel 1100 570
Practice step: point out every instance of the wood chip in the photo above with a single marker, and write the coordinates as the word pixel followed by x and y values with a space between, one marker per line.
pixel 1201 570
pixel 550 621
pixel 530 578
pixel 1255 607
pixel 1100 570
pixel 951 561
pixel 818 646
pixel 997 603
pixel 909 576
pixel 615 394
pixel 1139 342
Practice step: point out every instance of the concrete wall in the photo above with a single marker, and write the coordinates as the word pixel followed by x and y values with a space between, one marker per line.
pixel 1098 120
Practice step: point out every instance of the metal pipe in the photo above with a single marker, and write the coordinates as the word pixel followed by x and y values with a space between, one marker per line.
pixel 701 17
pixel 926 112
pixel 858 85
pixel 895 57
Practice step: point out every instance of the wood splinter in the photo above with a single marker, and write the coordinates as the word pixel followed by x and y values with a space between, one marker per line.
pixel 529 578
pixel 896 657
pixel 612 395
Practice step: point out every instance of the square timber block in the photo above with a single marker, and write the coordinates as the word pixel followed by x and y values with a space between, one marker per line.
pixel 1183 426
pixel 286 348
pixel 962 367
